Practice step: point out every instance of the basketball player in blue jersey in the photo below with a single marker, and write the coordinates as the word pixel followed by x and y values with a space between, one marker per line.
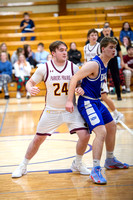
pixel 93 111
pixel 56 74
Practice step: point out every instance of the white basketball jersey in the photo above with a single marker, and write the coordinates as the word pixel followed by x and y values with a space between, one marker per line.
pixel 57 82
pixel 91 51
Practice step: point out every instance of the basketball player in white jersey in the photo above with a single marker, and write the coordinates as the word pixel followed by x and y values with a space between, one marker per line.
pixel 56 74
pixel 93 47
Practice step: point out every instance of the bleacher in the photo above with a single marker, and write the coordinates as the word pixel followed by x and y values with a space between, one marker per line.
pixel 72 27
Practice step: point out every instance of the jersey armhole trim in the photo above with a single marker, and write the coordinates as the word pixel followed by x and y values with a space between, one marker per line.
pixel 72 69
pixel 47 72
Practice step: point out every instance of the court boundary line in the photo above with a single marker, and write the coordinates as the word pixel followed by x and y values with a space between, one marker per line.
pixel 57 189
pixel 4 115
pixel 59 171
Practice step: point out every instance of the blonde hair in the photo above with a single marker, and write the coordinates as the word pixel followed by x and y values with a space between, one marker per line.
pixel 25 64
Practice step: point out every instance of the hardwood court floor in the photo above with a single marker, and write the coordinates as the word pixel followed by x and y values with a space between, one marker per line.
pixel 49 176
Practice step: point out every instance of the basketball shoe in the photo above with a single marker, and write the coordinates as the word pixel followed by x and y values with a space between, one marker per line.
pixel 20 171
pixel 80 168
pixel 113 163
pixel 96 176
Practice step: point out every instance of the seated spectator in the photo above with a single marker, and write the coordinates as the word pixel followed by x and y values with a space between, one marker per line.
pixel 5 73
pixel 27 26
pixel 15 54
pixel 128 70
pixel 126 42
pixel 22 74
pixel 74 55
pixel 49 57
pixel 41 55
pixel 106 31
pixel 106 24
pixel 93 47
pixel 29 55
pixel 126 31
pixel 3 47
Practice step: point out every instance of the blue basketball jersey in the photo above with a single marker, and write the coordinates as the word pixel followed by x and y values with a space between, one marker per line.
pixel 92 87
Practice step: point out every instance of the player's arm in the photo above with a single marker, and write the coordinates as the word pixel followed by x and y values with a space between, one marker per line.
pixel 88 69
pixel 31 88
pixel 127 67
pixel 36 78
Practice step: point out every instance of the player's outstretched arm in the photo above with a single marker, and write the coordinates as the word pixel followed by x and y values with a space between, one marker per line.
pixel 31 88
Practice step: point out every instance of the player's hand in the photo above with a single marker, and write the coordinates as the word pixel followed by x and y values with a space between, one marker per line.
pixel 34 90
pixel 69 106
pixel 79 91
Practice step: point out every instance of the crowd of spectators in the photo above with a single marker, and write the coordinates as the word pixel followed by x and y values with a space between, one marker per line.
pixel 20 63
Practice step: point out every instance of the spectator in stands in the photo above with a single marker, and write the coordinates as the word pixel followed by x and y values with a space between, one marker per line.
pixel 5 73
pixel 128 70
pixel 3 47
pixel 126 31
pixel 41 55
pixel 27 26
pixel 74 55
pixel 22 74
pixel 49 57
pixel 113 64
pixel 15 54
pixel 93 47
pixel 106 24
pixel 29 55
pixel 126 42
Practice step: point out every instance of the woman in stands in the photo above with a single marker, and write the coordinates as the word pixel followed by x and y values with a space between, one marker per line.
pixel 22 73
pixel 3 47
pixel 126 42
pixel 74 55
pixel 5 73
pixel 15 55
pixel 29 55
pixel 126 31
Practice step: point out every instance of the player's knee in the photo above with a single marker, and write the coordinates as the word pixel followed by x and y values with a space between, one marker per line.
pixel 113 126
pixel 38 140
pixel 101 134
pixel 84 136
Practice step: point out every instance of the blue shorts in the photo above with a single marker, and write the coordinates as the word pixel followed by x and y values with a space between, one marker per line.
pixel 94 112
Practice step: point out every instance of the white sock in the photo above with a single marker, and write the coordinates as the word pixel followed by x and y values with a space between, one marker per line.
pixel 109 154
pixel 25 161
pixel 111 88
pixel 96 163
pixel 78 158
pixel 115 112
pixel 123 87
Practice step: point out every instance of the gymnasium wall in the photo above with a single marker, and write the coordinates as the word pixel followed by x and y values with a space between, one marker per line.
pixel 54 8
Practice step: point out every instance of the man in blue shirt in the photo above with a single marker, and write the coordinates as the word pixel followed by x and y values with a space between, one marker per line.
pixel 5 74
pixel 27 26
pixel 41 56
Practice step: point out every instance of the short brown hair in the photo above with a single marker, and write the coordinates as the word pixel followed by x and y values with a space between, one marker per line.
pixel 92 31
pixel 55 45
pixel 26 13
pixel 106 40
